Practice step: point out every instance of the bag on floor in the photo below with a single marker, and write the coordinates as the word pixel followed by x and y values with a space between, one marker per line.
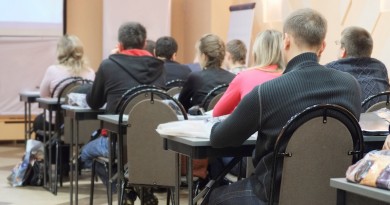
pixel 20 173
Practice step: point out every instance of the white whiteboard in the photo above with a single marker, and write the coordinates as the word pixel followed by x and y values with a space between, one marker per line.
pixel 241 24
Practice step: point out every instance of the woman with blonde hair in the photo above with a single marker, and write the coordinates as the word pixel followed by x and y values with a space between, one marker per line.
pixel 70 63
pixel 268 65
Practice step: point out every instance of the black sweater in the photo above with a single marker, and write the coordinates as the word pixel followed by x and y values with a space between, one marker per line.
pixel 268 107
pixel 121 72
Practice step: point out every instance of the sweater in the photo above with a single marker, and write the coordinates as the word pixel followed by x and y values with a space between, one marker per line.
pixel 268 107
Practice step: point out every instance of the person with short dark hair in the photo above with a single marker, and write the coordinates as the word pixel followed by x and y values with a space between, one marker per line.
pixel 166 50
pixel 129 66
pixel 355 48
pixel 150 45
pixel 235 58
pixel 268 107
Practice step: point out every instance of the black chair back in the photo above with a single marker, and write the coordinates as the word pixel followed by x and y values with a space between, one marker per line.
pixel 376 102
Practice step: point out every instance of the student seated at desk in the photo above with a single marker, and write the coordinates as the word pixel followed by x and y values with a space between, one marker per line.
pixel 268 107
pixel 268 65
pixel 128 67
pixel 71 63
pixel 235 56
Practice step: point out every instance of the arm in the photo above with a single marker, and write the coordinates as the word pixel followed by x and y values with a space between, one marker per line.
pixel 240 125
pixel 386 145
pixel 44 88
pixel 187 92
pixel 97 96
pixel 229 100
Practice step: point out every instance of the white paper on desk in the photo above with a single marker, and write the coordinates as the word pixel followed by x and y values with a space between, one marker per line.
pixel 383 113
pixel 189 128
pixel 77 99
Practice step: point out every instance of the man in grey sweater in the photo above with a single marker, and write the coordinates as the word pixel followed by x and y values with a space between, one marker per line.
pixel 268 107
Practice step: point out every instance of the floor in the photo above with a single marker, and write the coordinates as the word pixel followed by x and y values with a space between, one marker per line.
pixel 11 154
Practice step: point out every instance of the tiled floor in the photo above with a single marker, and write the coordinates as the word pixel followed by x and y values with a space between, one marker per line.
pixel 11 154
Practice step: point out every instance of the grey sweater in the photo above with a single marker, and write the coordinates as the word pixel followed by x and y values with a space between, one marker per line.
pixel 268 107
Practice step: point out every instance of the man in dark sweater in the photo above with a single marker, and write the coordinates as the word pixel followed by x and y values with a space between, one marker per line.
pixel 355 58
pixel 166 50
pixel 268 107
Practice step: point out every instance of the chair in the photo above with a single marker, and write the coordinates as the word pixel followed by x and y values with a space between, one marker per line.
pixel 174 87
pixel 213 96
pixel 376 102
pixel 315 145
pixel 148 163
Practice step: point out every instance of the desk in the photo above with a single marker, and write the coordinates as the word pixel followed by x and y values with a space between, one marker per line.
pixel 200 148
pixel 77 114
pixel 50 104
pixel 370 195
pixel 28 97
pixel 375 130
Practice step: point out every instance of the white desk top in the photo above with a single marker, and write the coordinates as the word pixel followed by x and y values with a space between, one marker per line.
pixel 370 192
pixel 30 93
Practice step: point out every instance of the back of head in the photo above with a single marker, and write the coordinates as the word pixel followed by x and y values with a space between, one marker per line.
pixel 267 49
pixel 165 47
pixel 70 53
pixel 237 50
pixel 150 46
pixel 308 28
pixel 132 35
pixel 357 42
pixel 213 48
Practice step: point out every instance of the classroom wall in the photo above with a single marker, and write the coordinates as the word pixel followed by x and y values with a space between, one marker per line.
pixel 191 19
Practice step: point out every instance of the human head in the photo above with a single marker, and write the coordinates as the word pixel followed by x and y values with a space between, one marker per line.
pixel 150 46
pixel 267 49
pixel 70 52
pixel 131 35
pixel 166 47
pixel 304 30
pixel 355 42
pixel 210 51
pixel 235 53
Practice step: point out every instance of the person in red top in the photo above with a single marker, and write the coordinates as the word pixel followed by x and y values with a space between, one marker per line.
pixel 268 65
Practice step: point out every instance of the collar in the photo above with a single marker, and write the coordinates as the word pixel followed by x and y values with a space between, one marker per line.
pixel 136 52
pixel 304 59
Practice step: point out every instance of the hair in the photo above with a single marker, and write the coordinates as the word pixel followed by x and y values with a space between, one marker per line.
pixel 150 46
pixel 165 47
pixel 307 26
pixel 70 53
pixel 213 48
pixel 357 42
pixel 238 50
pixel 267 49
pixel 132 35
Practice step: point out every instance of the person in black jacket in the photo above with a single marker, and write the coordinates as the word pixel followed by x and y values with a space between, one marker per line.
pixel 166 50
pixel 268 107
pixel 128 67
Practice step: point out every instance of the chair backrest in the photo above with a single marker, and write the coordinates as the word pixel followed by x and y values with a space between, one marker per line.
pixel 131 91
pixel 213 96
pixel 315 145
pixel 376 102
pixel 175 83
pixel 148 162
pixel 61 84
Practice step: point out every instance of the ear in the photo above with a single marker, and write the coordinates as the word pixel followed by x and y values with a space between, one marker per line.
pixel 286 41
pixel 174 56
pixel 120 47
pixel 322 48
pixel 343 53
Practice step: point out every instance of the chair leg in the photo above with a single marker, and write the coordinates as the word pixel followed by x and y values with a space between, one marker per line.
pixel 92 183
pixel 168 195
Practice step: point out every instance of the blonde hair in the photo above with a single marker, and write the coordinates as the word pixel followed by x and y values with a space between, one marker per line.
pixel 213 48
pixel 267 49
pixel 70 53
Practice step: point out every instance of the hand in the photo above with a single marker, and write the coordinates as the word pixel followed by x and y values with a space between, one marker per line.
pixel 386 145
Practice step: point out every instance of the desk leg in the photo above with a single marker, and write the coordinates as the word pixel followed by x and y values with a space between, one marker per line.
pixel 178 180
pixel 76 163
pixel 25 123
pixel 46 163
pixel 49 144
pixel 71 161
pixel 340 197
pixel 29 120
pixel 189 180
pixel 120 168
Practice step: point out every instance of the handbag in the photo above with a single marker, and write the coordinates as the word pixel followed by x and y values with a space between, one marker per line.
pixel 373 170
